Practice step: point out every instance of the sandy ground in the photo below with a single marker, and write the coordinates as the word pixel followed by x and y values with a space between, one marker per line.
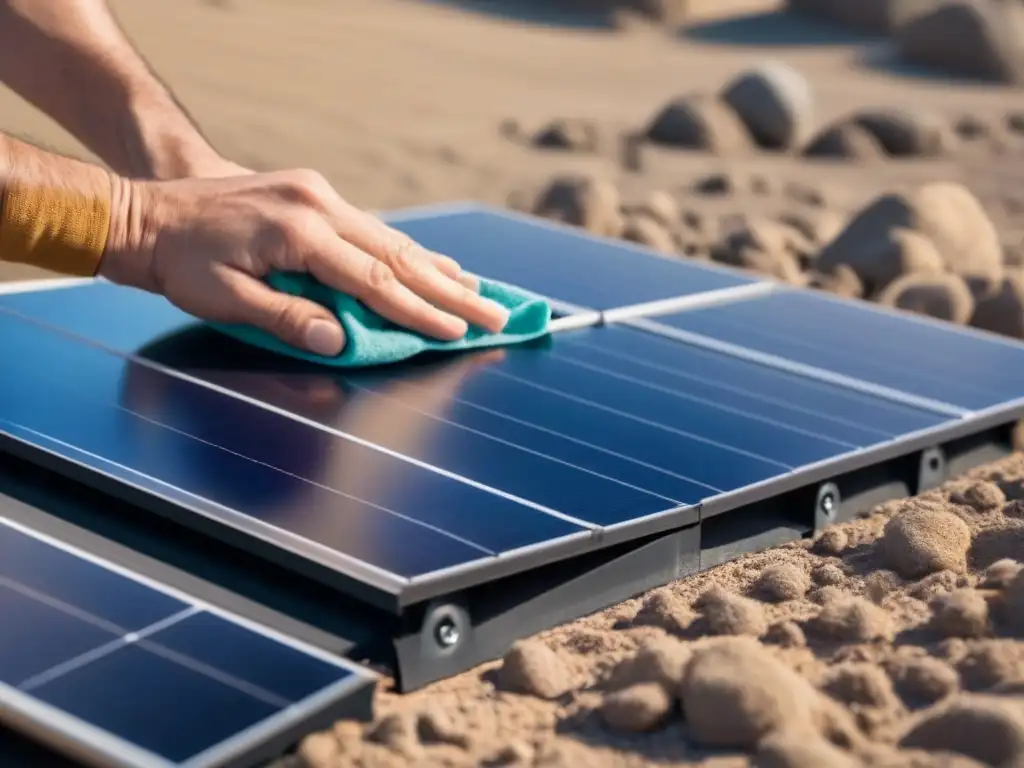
pixel 861 649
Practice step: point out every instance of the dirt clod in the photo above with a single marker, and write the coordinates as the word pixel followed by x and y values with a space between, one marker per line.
pixel 532 667
pixel 921 540
pixel 639 707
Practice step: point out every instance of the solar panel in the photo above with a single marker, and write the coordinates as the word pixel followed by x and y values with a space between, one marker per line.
pixel 100 663
pixel 592 463
pixel 565 264
pixel 936 364
pixel 560 440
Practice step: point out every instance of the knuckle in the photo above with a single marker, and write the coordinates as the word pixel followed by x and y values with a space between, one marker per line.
pixel 287 318
pixel 402 255
pixel 380 277
pixel 308 187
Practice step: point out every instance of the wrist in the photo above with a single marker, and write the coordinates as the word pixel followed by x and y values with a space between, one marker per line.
pixel 128 253
pixel 163 144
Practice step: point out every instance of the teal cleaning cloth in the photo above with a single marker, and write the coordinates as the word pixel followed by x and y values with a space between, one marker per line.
pixel 373 340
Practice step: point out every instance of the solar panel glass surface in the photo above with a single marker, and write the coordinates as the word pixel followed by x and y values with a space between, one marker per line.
pixel 123 668
pixel 926 359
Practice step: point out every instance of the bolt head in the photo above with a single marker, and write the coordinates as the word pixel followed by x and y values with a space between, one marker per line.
pixel 447 633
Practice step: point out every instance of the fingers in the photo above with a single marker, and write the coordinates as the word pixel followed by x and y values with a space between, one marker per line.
pixel 434 277
pixel 346 268
pixel 295 321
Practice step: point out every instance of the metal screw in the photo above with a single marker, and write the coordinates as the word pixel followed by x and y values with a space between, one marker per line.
pixel 447 633
pixel 828 504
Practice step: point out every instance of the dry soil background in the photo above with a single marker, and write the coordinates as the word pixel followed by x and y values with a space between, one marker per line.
pixel 890 641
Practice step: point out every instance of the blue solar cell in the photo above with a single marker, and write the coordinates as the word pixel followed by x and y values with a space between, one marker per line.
pixel 166 708
pixel 36 636
pixel 230 648
pixel 298 450
pixel 105 435
pixel 539 471
pixel 826 409
pixel 122 606
pixel 924 359
pixel 562 263
pixel 186 685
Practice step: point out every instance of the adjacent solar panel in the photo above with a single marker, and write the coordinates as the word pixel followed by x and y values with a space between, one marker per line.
pixel 560 262
pixel 938 365
pixel 429 470
pixel 103 664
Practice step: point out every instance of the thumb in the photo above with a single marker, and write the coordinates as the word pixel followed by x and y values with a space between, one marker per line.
pixel 298 322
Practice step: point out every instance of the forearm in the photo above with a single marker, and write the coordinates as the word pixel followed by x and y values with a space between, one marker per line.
pixel 70 59
pixel 58 213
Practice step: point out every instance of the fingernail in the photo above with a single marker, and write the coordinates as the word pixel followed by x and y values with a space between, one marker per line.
pixel 324 338
pixel 504 315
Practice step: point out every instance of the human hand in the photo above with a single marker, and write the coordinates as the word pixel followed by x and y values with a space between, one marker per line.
pixel 207 244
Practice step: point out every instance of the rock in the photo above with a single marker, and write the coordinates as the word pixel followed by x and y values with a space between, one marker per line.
pixel 971 127
pixel 511 129
pixel 796 748
pixel 639 707
pixel 831 541
pixel 989 663
pixel 879 17
pixel 532 667
pixel 775 103
pixel 860 683
pixel 666 12
pixel 397 732
pixel 923 680
pixel 828 575
pixel 819 227
pixel 851 619
pixel 778 264
pixel 786 634
pixel 439 727
pixel 319 750
pixel 663 608
pixel 1011 606
pixel 583 201
pixel 826 595
pixel 700 122
pixel 922 540
pixel 716 184
pixel 945 213
pixel 902 133
pixel 847 141
pixel 804 194
pixel 986 728
pixel 661 207
pixel 1000 574
pixel 729 614
pixel 905 252
pixel 981 497
pixel 660 660
pixel 778 583
pixel 645 231
pixel 571 134
pixel 842 281
pixel 943 296
pixel 978 39
pixel 735 692
pixel 961 613
pixel 1002 311
pixel 936 585
pixel 881 583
